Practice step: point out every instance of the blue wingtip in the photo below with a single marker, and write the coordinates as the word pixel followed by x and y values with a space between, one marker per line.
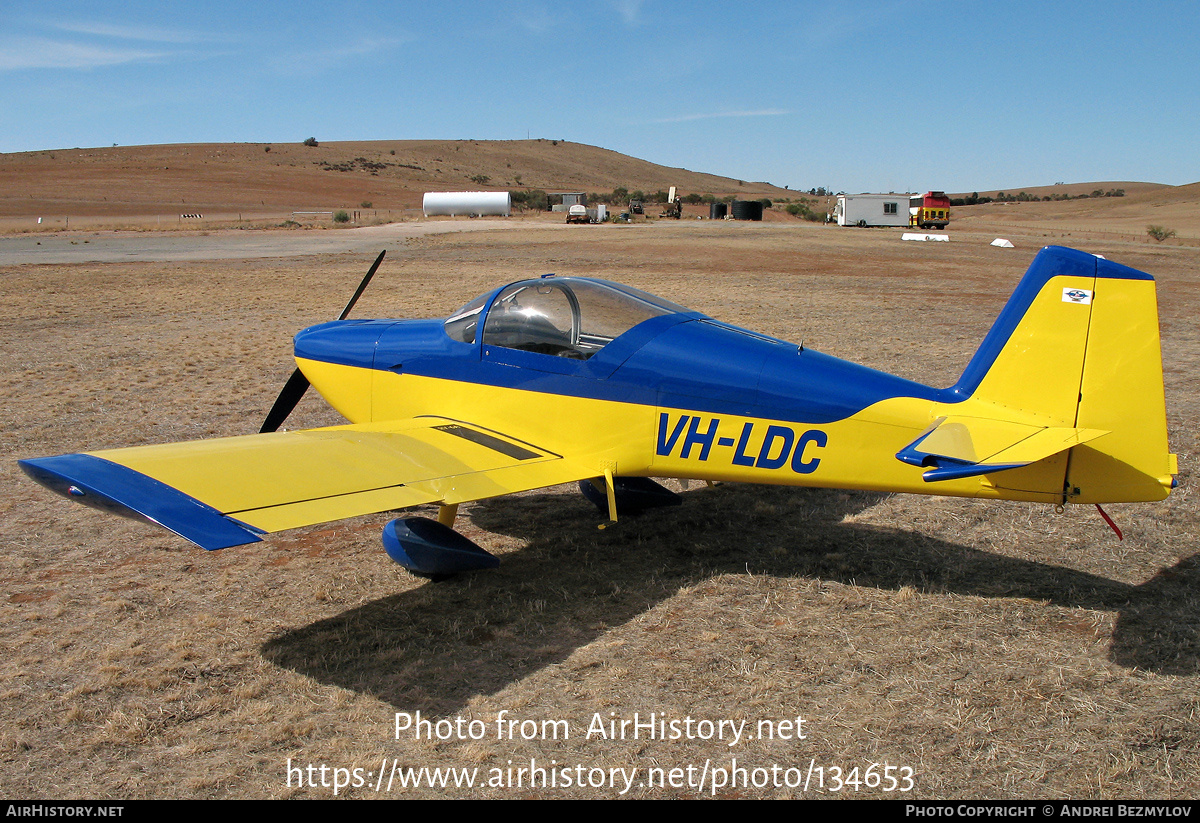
pixel 113 488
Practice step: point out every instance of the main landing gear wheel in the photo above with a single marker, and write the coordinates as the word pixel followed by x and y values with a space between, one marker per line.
pixel 430 549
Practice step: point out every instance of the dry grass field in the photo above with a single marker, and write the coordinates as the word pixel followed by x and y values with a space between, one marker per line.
pixel 1175 208
pixel 995 650
pixel 954 648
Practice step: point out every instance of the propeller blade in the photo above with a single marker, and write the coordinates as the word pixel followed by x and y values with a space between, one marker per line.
pixel 298 384
pixel 293 390
pixel 362 286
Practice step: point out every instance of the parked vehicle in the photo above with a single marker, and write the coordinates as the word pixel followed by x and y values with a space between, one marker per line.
pixel 930 210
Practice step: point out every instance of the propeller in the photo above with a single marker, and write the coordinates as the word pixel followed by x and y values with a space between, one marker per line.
pixel 297 384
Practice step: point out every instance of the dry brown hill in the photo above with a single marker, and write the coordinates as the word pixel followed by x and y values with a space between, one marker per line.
pixel 256 179
pixel 1073 189
pixel 1175 208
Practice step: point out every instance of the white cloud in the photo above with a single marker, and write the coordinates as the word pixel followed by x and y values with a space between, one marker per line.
pixel 688 117
pixel 628 9
pixel 39 53
pixel 146 33
pixel 310 63
pixel 535 18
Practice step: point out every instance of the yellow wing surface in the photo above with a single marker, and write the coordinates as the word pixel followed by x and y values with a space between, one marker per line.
pixel 223 492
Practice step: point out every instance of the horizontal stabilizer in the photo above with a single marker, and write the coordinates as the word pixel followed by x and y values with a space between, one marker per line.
pixel 957 447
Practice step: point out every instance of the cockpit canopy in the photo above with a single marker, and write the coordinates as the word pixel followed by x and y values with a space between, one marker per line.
pixel 563 316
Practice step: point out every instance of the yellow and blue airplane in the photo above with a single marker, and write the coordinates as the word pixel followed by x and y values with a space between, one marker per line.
pixel 563 379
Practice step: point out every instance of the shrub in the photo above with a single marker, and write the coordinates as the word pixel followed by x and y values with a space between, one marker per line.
pixel 535 199
pixel 802 211
pixel 366 204
pixel 312 141
pixel 341 216
pixel 1159 233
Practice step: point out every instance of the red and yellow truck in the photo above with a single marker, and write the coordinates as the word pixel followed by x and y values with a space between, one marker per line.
pixel 930 210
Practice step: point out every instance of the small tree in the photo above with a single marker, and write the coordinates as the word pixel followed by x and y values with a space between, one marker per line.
pixel 534 199
pixel 1159 233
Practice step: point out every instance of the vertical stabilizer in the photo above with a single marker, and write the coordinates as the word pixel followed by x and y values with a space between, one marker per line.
pixel 1077 346
pixel 1032 359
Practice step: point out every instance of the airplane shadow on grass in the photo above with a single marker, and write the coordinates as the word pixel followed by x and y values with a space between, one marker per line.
pixel 434 647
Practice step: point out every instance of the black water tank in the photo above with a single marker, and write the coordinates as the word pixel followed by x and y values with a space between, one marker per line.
pixel 717 211
pixel 747 210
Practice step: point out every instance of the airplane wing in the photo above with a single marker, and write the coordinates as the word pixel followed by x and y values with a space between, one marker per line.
pixel 967 446
pixel 225 492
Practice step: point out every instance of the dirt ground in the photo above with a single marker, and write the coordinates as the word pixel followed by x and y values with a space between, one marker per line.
pixel 882 646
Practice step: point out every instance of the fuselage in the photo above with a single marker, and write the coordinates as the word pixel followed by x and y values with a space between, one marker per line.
pixel 677 394
pixel 559 380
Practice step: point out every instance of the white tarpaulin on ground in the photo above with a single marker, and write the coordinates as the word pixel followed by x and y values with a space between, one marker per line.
pixel 1002 243
pixel 908 235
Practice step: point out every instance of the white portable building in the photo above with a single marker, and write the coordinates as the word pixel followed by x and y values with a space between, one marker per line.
pixel 872 209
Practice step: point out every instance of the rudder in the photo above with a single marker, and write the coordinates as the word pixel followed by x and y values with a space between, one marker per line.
pixel 1122 391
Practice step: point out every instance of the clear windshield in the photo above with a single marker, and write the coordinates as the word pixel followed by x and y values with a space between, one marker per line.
pixel 463 324
pixel 565 317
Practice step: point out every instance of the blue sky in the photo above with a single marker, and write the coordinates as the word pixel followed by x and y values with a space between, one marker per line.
pixel 864 96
